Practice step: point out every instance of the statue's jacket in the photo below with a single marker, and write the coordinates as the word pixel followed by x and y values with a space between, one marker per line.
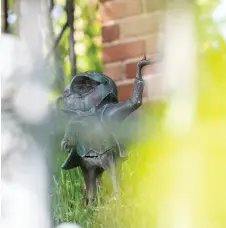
pixel 94 133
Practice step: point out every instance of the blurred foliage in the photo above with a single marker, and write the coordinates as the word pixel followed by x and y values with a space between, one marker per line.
pixel 171 180
pixel 167 181
pixel 11 11
pixel 68 205
pixel 87 39
pixel 180 180
pixel 211 18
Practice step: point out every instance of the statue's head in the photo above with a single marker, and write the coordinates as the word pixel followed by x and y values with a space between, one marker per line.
pixel 89 90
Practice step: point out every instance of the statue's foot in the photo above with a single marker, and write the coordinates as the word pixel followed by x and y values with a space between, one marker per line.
pixel 85 202
pixel 89 202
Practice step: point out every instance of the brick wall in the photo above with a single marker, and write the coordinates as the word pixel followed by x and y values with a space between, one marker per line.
pixel 130 28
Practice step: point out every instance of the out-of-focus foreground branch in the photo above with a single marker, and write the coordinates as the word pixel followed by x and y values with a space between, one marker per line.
pixel 25 118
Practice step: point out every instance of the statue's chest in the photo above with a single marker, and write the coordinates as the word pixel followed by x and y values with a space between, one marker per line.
pixel 92 127
pixel 93 136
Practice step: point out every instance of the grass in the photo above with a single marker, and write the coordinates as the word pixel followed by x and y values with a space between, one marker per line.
pixel 67 187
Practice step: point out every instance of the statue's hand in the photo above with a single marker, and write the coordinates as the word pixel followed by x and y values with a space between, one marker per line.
pixel 143 62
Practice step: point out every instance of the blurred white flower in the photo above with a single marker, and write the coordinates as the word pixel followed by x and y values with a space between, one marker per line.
pixel 31 102
pixel 215 44
pixel 56 11
pixel 223 30
pixel 210 30
pixel 79 23
pixel 78 11
pixel 68 225
pixel 29 99
pixel 80 48
pixel 14 68
pixel 11 19
pixel 79 35
pixel 219 16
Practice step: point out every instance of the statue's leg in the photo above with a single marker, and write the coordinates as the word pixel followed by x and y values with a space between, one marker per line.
pixel 119 172
pixel 120 159
pixel 111 170
pixel 90 178
pixel 99 172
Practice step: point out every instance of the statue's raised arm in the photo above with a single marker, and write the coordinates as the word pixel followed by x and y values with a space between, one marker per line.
pixel 122 109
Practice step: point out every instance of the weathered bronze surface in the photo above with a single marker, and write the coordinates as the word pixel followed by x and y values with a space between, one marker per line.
pixel 94 112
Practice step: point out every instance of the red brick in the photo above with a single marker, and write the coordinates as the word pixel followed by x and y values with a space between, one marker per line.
pixel 151 44
pixel 125 91
pixel 153 5
pixel 105 0
pixel 110 32
pixel 140 25
pixel 113 71
pixel 123 51
pixel 116 9
pixel 131 69
pixel 146 70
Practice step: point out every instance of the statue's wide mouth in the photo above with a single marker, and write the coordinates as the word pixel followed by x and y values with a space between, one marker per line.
pixel 83 85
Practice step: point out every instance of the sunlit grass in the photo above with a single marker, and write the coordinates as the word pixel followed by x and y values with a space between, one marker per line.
pixel 68 198
pixel 169 180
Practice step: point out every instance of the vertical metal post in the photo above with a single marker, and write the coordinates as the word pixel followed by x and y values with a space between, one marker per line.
pixel 4 15
pixel 70 16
